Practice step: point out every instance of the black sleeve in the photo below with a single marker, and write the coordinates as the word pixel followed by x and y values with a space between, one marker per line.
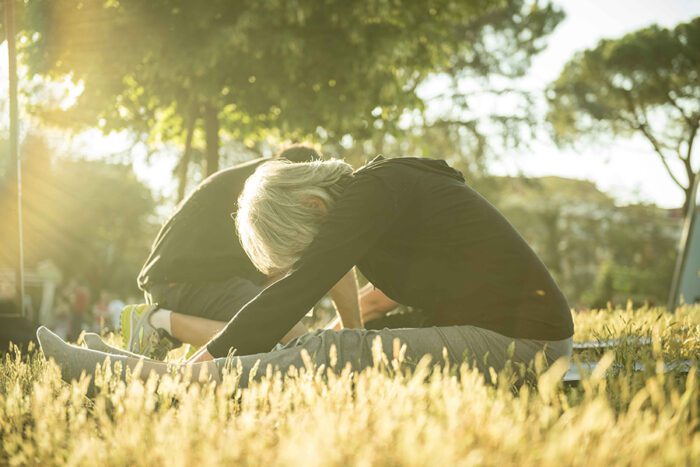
pixel 366 209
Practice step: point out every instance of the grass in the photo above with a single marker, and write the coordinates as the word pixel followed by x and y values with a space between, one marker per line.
pixel 449 417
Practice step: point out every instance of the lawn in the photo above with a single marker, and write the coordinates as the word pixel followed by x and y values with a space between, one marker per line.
pixel 616 415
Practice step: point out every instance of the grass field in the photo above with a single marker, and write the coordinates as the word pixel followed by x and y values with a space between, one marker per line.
pixel 614 417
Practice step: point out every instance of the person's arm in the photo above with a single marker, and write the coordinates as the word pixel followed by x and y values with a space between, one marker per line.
pixel 346 301
pixel 364 212
pixel 203 355
pixel 298 329
pixel 374 303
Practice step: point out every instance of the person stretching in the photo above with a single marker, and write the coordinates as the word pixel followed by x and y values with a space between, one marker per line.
pixel 417 231
pixel 197 276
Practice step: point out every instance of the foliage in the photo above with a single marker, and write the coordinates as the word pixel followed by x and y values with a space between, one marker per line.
pixel 90 218
pixel 371 418
pixel 475 107
pixel 645 83
pixel 597 251
pixel 286 68
pixel 642 242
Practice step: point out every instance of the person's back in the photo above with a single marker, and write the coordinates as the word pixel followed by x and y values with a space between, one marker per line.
pixel 450 251
pixel 418 232
pixel 198 243
pixel 197 274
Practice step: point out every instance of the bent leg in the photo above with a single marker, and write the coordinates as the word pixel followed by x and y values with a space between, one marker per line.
pixel 193 329
pixel 198 331
pixel 215 301
pixel 200 311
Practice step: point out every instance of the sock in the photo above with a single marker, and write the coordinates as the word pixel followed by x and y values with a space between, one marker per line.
pixel 160 319
pixel 95 342
pixel 73 360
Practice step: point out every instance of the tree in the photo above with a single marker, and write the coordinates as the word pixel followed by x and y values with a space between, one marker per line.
pixel 597 252
pixel 563 220
pixel 247 69
pixel 645 83
pixel 92 219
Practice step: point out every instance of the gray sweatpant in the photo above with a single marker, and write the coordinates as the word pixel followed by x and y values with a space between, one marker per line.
pixel 481 348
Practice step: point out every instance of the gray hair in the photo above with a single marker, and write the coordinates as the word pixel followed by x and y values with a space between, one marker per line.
pixel 275 220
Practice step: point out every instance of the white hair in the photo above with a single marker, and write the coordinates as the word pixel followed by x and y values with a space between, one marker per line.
pixel 275 220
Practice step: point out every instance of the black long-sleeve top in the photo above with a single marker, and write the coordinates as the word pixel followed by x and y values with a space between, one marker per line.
pixel 426 239
pixel 198 243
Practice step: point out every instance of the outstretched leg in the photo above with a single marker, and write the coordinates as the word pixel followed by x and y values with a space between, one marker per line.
pixel 481 348
pixel 484 349
pixel 95 342
pixel 74 361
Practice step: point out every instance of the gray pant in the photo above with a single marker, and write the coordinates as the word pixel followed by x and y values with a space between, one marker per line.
pixel 481 348
pixel 219 301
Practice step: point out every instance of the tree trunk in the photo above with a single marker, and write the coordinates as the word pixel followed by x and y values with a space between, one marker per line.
pixel 211 130
pixel 687 196
pixel 186 156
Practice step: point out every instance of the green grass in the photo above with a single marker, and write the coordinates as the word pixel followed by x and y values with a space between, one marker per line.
pixel 615 417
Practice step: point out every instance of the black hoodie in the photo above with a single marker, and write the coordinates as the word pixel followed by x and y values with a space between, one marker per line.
pixel 198 243
pixel 421 235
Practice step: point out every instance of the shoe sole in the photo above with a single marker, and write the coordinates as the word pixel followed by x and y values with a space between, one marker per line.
pixel 128 323
pixel 125 326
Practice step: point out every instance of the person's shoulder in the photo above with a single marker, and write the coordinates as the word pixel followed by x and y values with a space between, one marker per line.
pixel 229 179
pixel 383 165
pixel 386 176
pixel 409 166
pixel 218 187
pixel 243 170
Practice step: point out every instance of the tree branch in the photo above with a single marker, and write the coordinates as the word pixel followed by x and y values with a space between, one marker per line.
pixel 691 140
pixel 657 148
pixel 480 92
pixel 642 126
pixel 182 167
pixel 470 123
pixel 680 109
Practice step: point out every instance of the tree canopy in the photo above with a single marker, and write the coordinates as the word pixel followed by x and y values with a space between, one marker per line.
pixel 294 68
pixel 645 83
pixel 597 252
pixel 92 219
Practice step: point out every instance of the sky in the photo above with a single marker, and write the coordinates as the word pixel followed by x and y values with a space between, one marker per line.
pixel 626 168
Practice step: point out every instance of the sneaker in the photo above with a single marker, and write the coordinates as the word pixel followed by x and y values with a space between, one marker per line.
pixel 139 336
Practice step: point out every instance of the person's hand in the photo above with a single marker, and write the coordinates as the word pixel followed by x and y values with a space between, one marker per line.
pixel 202 355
